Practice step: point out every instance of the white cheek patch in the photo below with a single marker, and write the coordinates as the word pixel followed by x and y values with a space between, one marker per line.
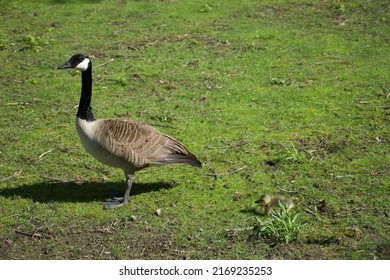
pixel 82 66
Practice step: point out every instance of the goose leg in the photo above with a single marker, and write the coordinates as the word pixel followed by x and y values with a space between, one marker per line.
pixel 129 183
pixel 120 201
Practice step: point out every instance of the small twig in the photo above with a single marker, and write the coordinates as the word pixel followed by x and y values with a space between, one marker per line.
pixel 295 192
pixel 49 151
pixel 380 172
pixel 286 191
pixel 385 91
pixel 218 147
pixel 345 176
pixel 11 176
pixel 227 173
pixel 54 179
pixel 105 63
pixel 353 210
pixel 307 209
pixel 90 168
pixel 120 30
pixel 327 62
pixel 33 235
pixel 20 103
pixel 234 144
pixel 240 229
pixel 99 81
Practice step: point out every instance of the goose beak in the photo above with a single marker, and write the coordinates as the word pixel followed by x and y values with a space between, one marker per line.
pixel 65 66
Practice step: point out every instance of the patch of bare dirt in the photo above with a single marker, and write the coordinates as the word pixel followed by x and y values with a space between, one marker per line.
pixel 115 240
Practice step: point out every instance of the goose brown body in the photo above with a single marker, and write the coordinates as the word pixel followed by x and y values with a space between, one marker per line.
pixel 122 143
pixel 131 145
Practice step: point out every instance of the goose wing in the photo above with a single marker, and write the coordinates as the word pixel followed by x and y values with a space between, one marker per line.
pixel 141 145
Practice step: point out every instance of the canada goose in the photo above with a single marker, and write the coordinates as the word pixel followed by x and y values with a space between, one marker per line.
pixel 122 143
pixel 266 204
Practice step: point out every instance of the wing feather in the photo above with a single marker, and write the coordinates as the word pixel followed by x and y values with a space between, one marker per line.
pixel 140 145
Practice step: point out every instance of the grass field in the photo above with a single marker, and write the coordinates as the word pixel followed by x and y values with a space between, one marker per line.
pixel 277 97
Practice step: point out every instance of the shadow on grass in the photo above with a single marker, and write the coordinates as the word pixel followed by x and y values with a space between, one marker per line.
pixel 72 192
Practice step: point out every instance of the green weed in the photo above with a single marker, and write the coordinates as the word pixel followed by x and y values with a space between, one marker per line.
pixel 282 226
pixel 35 43
pixel 293 155
pixel 339 6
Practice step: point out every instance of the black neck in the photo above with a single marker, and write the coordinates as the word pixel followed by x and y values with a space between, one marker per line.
pixel 85 111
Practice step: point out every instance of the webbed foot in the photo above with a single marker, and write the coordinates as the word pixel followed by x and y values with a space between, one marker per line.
pixel 117 202
pixel 120 201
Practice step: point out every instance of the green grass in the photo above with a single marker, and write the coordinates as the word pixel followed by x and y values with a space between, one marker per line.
pixel 270 95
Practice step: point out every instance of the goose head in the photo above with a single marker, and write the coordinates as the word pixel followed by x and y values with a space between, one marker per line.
pixel 263 200
pixel 78 61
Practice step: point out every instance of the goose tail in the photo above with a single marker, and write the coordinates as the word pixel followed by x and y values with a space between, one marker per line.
pixel 185 159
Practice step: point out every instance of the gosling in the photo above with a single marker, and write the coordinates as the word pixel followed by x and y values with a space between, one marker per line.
pixel 266 204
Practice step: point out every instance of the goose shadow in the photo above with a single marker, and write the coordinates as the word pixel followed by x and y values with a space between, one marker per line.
pixel 45 192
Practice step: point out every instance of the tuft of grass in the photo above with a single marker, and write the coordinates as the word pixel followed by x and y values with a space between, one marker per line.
pixel 339 5
pixel 35 43
pixel 283 226
pixel 293 155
